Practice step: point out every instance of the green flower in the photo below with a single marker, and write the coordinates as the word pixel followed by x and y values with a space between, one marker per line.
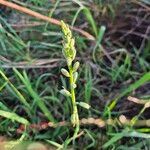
pixel 69 50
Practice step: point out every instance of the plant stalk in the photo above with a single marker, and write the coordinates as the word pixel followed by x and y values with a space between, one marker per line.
pixel 73 98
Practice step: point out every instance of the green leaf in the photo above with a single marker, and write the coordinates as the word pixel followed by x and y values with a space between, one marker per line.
pixel 138 135
pixel 144 79
pixel 115 138
pixel 14 117
pixel 18 94
pixel 34 95
pixel 90 19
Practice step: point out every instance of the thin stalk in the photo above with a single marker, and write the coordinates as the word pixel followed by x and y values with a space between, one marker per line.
pixel 74 116
pixel 74 105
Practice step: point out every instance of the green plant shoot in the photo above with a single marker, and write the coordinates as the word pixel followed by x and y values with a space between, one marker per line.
pixel 69 53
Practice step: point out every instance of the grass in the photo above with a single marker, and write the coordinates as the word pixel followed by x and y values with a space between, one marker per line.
pixel 109 72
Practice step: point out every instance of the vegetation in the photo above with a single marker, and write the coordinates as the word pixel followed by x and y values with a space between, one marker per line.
pixel 104 101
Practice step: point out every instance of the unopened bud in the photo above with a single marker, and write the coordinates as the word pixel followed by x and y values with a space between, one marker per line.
pixel 69 61
pixel 65 92
pixel 74 85
pixel 84 105
pixel 76 66
pixel 75 76
pixel 65 72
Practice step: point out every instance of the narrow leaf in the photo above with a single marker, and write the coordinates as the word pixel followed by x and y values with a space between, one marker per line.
pixel 14 117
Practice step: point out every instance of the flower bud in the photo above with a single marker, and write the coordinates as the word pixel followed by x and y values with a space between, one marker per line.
pixel 65 72
pixel 75 76
pixel 84 105
pixel 65 92
pixel 69 61
pixel 76 66
pixel 74 85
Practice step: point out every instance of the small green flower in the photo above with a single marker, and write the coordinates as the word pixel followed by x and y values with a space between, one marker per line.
pixel 69 50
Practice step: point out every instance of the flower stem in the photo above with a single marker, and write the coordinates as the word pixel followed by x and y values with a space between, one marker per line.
pixel 75 116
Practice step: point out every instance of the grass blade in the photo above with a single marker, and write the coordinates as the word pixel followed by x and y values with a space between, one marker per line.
pixel 144 79
pixel 19 95
pixel 34 95
pixel 90 19
pixel 14 117
pixel 115 138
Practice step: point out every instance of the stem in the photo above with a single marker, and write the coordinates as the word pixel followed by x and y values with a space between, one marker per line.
pixel 75 116
pixel 75 110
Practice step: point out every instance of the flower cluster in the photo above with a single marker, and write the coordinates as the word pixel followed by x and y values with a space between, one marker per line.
pixel 69 50
pixel 69 53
